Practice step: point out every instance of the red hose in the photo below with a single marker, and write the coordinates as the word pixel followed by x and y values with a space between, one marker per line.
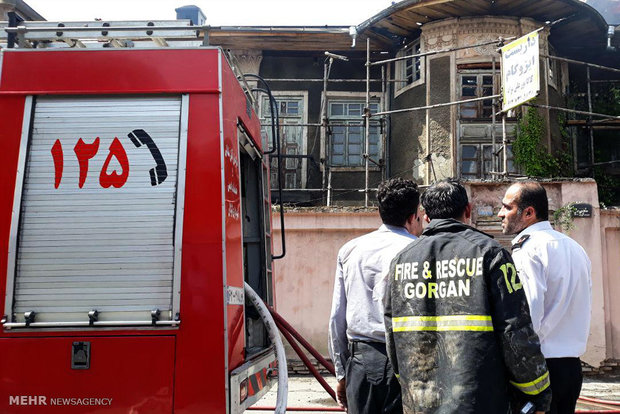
pixel 329 366
pixel 608 402
pixel 335 409
pixel 598 411
pixel 306 361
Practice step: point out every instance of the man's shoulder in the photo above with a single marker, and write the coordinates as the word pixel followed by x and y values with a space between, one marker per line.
pixel 550 243
pixel 550 237
pixel 374 240
pixel 468 238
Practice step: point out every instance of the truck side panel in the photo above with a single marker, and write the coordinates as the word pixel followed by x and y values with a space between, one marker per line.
pixel 124 71
pixel 109 384
pixel 234 103
pixel 200 369
pixel 12 110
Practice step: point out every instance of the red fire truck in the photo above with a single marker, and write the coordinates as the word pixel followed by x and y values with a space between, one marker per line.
pixel 134 206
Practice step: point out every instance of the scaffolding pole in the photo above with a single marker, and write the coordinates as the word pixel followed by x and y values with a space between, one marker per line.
pixel 367 123
pixel 574 111
pixel 579 62
pixel 425 54
pixel 344 80
pixel 494 162
pixel 326 185
pixel 421 108
pixel 383 125
pixel 504 146
pixel 590 129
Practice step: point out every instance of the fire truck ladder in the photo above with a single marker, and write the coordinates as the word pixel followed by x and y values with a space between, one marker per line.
pixel 100 34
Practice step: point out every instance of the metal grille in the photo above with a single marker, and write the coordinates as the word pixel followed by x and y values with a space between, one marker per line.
pixel 99 234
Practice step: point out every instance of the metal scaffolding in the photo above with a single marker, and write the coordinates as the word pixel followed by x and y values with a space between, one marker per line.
pixel 384 113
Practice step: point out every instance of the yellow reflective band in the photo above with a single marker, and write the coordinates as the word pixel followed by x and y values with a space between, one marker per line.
pixel 480 323
pixel 397 376
pixel 535 387
pixel 443 328
pixel 443 318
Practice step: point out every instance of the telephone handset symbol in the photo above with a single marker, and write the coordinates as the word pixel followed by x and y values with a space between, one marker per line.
pixel 159 173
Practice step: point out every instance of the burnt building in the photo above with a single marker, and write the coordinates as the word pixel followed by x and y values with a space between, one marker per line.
pixel 437 53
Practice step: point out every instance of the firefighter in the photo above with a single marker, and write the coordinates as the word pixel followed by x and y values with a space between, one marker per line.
pixel 458 328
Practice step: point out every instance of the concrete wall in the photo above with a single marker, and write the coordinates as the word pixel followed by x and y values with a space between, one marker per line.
pixel 305 277
pixel 408 138
pixel 441 125
pixel 610 239
pixel 487 197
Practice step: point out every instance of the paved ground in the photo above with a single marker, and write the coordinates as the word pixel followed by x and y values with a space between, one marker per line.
pixel 306 391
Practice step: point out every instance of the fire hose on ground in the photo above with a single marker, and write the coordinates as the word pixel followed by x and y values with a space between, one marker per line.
pixel 291 335
pixel 272 331
pixel 608 405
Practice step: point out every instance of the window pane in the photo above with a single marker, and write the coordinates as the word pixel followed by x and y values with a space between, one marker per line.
pixel 487 151
pixel 374 108
pixel 469 151
pixel 337 159
pixel 409 72
pixel 470 167
pixel 291 163
pixel 355 149
pixel 468 110
pixel 374 152
pixel 470 81
pixel 355 160
pixel 338 149
pixel 355 109
pixel 487 80
pixel 336 109
pixel 289 180
pixel 266 107
pixel 293 107
pixel 355 129
pixel 469 91
pixel 355 139
pixel 338 135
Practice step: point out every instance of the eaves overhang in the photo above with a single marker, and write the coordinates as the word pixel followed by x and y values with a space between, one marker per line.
pixel 583 30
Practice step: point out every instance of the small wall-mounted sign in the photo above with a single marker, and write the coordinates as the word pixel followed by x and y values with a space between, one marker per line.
pixel 485 211
pixel 582 210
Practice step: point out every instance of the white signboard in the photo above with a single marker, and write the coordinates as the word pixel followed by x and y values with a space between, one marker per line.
pixel 520 71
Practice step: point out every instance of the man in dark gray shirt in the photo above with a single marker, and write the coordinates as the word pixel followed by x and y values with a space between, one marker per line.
pixel 366 382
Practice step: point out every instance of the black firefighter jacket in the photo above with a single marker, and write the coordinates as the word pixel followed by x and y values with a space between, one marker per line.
pixel 458 326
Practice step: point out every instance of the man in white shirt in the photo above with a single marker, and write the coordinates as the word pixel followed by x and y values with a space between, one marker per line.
pixel 366 381
pixel 555 272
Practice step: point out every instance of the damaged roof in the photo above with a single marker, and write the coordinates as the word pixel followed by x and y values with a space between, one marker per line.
pixel 583 29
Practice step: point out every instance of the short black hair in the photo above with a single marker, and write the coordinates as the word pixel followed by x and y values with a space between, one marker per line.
pixel 398 199
pixel 532 194
pixel 445 199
